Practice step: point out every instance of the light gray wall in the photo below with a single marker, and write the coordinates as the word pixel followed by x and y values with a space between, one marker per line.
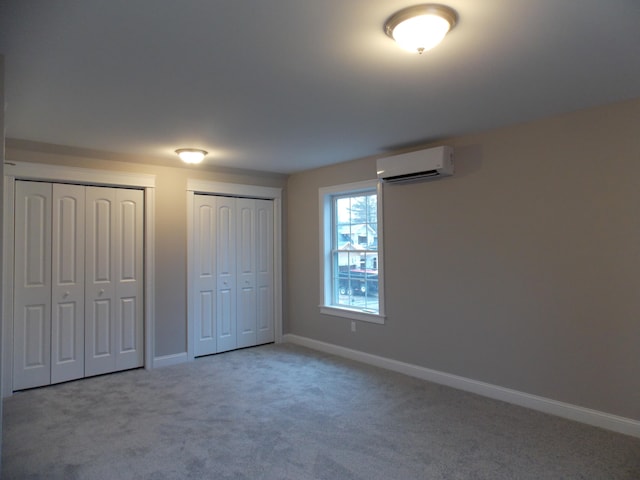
pixel 522 270
pixel 170 223
pixel 2 130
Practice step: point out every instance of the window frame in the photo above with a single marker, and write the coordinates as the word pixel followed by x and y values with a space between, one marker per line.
pixel 326 196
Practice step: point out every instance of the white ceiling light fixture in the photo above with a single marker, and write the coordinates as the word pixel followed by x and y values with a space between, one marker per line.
pixel 421 27
pixel 191 155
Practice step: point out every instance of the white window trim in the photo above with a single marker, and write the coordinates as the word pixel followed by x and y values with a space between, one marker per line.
pixel 325 207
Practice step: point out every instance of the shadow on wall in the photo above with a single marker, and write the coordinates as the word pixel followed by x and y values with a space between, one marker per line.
pixel 468 159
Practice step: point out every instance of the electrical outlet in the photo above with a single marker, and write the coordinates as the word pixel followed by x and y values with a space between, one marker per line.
pixel 353 326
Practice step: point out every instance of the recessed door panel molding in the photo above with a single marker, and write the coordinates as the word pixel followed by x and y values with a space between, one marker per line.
pixel 128 241
pixel 264 320
pixel 225 241
pixel 128 334
pixel 37 244
pixel 99 342
pixel 264 237
pixel 68 229
pixel 64 348
pixel 207 326
pixel 246 317
pixel 205 266
pixel 32 280
pixel 246 237
pixel 226 320
pixel 35 328
pixel 101 215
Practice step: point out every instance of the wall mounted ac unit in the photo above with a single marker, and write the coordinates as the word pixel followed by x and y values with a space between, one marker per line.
pixel 423 164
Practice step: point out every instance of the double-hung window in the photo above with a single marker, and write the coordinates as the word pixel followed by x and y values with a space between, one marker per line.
pixel 351 251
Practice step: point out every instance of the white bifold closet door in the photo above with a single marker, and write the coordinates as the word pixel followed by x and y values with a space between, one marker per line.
pixel 246 271
pixel 32 302
pixel 113 286
pixel 67 289
pixel 264 272
pixel 225 267
pixel 78 286
pixel 214 271
pixel 233 279
pixel 255 272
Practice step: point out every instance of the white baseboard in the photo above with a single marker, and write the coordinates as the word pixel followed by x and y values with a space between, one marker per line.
pixel 167 360
pixel 595 418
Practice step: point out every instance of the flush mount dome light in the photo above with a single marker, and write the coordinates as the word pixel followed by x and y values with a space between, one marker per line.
pixel 191 155
pixel 421 27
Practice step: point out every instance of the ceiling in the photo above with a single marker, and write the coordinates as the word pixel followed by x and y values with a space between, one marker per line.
pixel 289 85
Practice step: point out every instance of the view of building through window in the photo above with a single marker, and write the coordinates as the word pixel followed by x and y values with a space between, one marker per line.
pixel 355 251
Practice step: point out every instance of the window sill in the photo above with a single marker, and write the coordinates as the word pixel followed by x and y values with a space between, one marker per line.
pixel 352 314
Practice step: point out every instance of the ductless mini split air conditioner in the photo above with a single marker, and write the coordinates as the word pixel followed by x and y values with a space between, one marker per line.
pixel 423 164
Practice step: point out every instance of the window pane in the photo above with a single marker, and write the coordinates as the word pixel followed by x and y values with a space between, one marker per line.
pixel 358 209
pixel 355 259
pixel 343 210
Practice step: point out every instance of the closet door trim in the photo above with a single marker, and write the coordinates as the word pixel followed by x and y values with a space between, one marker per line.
pixel 235 190
pixel 83 176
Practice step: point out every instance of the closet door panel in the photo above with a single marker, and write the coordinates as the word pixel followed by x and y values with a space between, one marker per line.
pixel 226 241
pixel 204 222
pixel 102 339
pixel 246 272
pixel 128 268
pixel 99 281
pixel 67 312
pixel 32 280
pixel 225 274
pixel 246 308
pixel 264 271
pixel 225 320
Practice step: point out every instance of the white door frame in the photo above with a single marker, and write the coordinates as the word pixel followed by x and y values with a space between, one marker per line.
pixel 236 190
pixel 84 176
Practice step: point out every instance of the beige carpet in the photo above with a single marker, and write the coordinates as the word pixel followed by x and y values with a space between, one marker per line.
pixel 285 412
